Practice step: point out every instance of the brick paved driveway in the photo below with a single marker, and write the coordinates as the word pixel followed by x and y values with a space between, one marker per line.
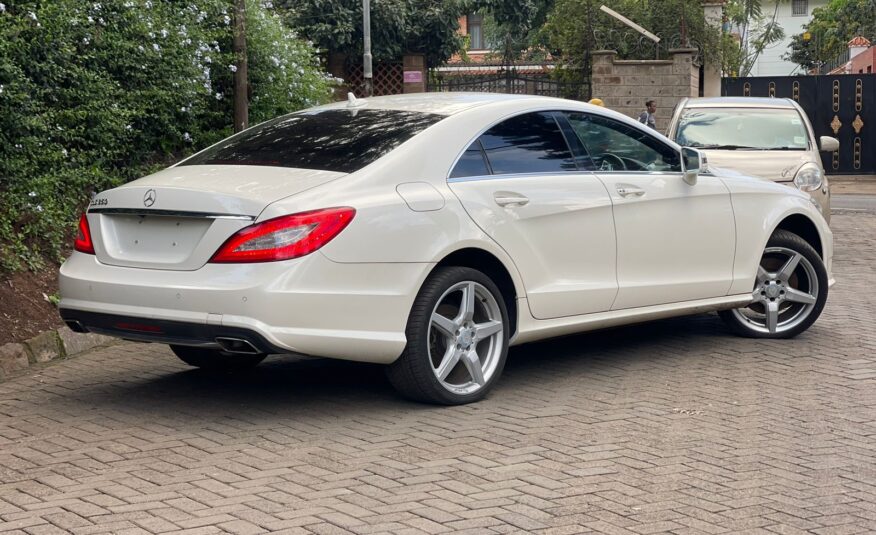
pixel 674 427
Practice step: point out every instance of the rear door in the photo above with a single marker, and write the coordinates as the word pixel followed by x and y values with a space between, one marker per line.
pixel 522 185
pixel 675 242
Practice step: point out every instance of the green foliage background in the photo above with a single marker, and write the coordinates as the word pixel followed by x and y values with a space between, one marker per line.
pixel 93 94
pixel 831 28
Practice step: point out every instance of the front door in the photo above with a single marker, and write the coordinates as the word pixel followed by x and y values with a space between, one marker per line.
pixel 675 242
pixel 521 185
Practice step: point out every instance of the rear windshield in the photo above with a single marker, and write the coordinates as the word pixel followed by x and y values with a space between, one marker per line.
pixel 328 140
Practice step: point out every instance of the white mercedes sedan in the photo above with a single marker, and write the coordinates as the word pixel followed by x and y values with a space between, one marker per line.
pixel 430 232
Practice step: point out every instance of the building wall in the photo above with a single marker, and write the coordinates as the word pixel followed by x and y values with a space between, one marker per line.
pixel 770 62
pixel 865 62
pixel 625 85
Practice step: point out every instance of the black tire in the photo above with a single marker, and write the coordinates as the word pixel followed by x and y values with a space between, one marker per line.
pixel 214 360
pixel 787 240
pixel 412 374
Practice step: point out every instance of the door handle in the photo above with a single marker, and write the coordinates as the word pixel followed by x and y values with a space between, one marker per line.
pixel 509 198
pixel 625 190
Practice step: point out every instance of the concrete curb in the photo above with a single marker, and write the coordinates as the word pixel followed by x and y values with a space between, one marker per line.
pixel 58 344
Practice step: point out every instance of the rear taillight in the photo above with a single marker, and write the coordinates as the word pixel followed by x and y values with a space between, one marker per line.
pixel 286 237
pixel 83 242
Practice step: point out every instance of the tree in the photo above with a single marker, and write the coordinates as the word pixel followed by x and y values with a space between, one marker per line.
pixel 513 28
pixel 832 26
pixel 757 30
pixel 397 27
pixel 576 27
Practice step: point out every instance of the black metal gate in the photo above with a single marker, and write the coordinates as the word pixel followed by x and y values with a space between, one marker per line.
pixel 842 106
pixel 514 83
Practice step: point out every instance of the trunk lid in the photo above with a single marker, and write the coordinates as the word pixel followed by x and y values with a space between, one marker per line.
pixel 177 218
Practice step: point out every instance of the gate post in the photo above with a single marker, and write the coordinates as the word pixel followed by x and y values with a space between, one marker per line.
pixel 414 72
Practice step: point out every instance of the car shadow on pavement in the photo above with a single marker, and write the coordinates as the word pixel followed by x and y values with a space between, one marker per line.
pixel 288 384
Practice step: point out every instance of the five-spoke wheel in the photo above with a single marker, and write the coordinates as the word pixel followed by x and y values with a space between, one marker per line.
pixel 457 339
pixel 789 292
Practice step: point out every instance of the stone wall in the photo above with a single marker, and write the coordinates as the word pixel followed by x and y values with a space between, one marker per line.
pixel 625 85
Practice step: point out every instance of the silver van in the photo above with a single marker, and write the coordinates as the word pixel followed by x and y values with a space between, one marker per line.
pixel 767 137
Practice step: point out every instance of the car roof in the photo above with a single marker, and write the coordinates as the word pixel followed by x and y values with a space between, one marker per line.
pixel 740 102
pixel 440 103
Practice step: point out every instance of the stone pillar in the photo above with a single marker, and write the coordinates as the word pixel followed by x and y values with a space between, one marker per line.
pixel 602 78
pixel 713 11
pixel 414 70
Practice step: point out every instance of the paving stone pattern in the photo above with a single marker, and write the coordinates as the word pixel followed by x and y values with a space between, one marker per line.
pixel 670 427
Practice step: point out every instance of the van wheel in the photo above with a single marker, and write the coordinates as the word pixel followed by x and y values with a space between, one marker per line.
pixel 457 339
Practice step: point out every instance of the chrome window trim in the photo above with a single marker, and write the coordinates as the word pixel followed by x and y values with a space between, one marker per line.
pixel 169 213
pixel 516 175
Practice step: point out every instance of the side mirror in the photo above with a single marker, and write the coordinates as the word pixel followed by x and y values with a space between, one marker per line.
pixel 691 164
pixel 828 144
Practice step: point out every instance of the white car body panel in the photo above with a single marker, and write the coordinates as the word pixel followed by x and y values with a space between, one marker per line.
pixel 681 248
pixel 562 240
pixel 688 255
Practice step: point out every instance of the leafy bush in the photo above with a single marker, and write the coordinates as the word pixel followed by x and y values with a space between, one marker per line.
pixel 93 94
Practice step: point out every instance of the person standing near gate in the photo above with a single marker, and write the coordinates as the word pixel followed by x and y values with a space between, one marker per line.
pixel 647 116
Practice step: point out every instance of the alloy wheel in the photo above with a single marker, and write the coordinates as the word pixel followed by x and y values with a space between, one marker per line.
pixel 465 337
pixel 785 293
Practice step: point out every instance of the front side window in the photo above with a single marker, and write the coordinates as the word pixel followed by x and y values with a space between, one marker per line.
pixel 530 143
pixel 742 129
pixel 615 146
pixel 329 140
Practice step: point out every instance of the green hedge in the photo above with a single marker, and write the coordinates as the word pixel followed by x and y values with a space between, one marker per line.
pixel 93 94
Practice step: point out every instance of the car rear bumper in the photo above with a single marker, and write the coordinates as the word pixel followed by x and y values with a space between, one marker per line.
pixel 311 305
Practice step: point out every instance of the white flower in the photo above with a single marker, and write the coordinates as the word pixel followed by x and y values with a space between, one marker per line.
pixel 156 47
pixel 90 19
pixel 85 40
pixel 183 109
pixel 32 194
pixel 207 59
pixel 226 19
pixel 64 152
pixel 218 96
pixel 148 4
pixel 2 7
pixel 163 33
pixel 39 208
pixel 128 127
pixel 140 48
pixel 32 15
pixel 232 68
pixel 187 138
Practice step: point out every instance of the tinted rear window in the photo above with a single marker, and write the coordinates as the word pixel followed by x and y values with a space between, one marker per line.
pixel 329 140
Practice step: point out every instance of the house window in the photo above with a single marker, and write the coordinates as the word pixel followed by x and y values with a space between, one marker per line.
pixel 799 8
pixel 475 25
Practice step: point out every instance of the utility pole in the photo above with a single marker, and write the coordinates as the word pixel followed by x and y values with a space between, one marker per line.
pixel 241 98
pixel 366 57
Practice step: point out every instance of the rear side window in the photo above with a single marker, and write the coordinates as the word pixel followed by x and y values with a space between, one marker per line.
pixel 530 143
pixel 327 140
pixel 472 162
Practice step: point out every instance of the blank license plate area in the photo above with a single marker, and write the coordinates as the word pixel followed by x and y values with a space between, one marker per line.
pixel 158 239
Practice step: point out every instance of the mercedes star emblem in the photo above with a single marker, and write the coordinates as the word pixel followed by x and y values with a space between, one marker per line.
pixel 149 198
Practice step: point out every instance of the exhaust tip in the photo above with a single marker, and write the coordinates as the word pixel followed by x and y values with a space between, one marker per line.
pixel 75 326
pixel 237 345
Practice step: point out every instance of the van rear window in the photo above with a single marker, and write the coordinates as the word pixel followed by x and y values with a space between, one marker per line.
pixel 328 140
